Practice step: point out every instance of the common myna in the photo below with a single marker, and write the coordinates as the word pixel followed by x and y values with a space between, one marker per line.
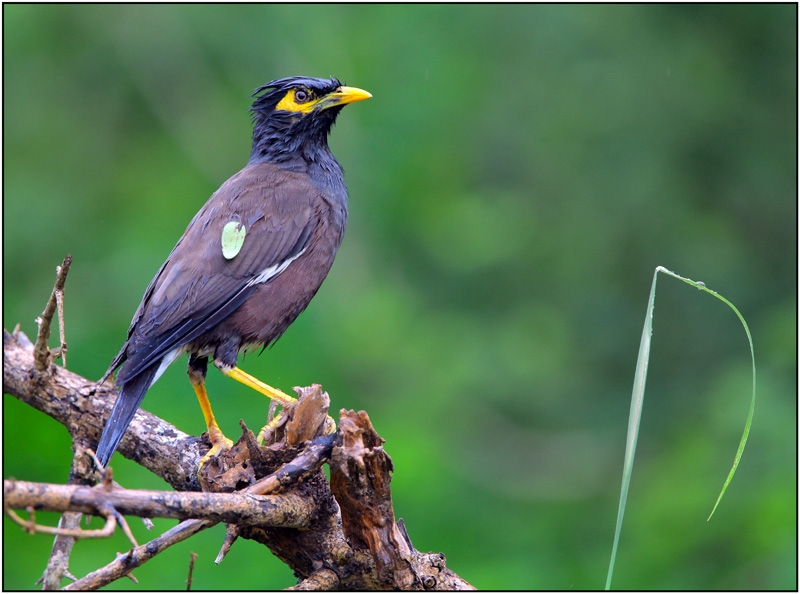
pixel 250 261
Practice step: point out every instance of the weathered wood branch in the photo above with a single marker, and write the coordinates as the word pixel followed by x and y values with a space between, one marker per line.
pixel 124 563
pixel 288 511
pixel 349 538
pixel 82 407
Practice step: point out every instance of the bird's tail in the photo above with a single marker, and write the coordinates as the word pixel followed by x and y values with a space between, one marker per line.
pixel 131 394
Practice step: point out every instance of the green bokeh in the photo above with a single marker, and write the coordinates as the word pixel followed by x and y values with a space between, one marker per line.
pixel 517 177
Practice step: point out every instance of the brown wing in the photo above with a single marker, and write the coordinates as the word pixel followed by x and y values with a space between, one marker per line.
pixel 197 287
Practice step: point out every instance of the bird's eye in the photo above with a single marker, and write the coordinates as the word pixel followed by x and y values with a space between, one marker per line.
pixel 301 96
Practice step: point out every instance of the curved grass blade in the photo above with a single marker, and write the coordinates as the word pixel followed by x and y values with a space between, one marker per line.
pixel 637 398
pixel 749 421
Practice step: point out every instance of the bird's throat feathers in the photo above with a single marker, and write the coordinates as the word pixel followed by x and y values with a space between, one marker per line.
pixel 282 137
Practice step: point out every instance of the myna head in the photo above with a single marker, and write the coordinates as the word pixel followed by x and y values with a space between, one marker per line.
pixel 297 113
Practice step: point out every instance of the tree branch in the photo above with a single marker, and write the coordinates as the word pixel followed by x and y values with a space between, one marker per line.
pixel 287 510
pixel 359 548
pixel 82 406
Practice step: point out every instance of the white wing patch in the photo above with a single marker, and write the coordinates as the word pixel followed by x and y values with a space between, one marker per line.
pixel 271 272
pixel 264 276
pixel 166 361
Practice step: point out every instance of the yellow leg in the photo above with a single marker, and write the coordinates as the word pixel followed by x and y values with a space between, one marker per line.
pixel 219 443
pixel 259 386
pixel 276 395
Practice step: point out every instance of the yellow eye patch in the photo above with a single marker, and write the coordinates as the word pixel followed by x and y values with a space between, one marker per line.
pixel 290 102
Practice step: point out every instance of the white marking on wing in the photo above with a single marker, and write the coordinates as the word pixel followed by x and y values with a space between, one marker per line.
pixel 168 359
pixel 271 272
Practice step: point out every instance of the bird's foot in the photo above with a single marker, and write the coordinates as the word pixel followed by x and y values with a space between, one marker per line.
pixel 265 435
pixel 219 444
pixel 306 419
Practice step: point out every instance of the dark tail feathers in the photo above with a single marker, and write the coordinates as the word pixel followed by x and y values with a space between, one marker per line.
pixel 131 394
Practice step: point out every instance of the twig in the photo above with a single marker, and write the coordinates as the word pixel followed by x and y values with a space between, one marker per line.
pixel 127 562
pixel 59 293
pixel 58 563
pixel 231 534
pixel 192 559
pixel 32 527
pixel 42 354
pixel 126 530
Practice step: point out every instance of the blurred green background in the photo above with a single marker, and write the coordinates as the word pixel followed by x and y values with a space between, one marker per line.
pixel 519 174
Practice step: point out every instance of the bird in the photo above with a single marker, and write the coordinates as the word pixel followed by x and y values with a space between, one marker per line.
pixel 250 260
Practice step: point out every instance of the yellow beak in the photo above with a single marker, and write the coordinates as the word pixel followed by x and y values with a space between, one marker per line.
pixel 343 96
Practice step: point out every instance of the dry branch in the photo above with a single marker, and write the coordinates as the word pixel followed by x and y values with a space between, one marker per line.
pixel 82 407
pixel 287 510
pixel 360 547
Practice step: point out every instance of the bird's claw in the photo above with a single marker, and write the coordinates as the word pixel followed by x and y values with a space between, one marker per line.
pixel 219 444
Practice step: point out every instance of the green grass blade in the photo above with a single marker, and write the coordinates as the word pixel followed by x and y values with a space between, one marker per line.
pixel 637 399
pixel 749 421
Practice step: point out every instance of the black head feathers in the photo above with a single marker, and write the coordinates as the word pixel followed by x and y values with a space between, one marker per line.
pixel 269 95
